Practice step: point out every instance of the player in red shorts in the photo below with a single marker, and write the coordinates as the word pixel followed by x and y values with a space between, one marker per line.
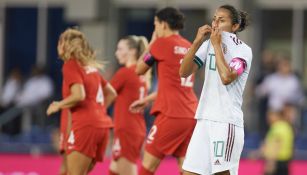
pixel 129 128
pixel 175 102
pixel 86 95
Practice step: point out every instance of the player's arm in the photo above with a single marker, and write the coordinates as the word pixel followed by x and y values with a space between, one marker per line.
pixel 144 63
pixel 139 105
pixel 227 73
pixel 188 65
pixel 146 60
pixel 77 94
pixel 109 94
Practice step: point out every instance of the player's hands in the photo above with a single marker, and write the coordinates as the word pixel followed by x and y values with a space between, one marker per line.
pixel 138 106
pixel 202 33
pixel 53 108
pixel 216 37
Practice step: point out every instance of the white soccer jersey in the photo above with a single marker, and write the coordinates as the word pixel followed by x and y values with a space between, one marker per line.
pixel 219 102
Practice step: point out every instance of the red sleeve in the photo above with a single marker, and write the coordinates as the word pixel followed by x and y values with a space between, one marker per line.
pixel 156 49
pixel 119 79
pixel 72 73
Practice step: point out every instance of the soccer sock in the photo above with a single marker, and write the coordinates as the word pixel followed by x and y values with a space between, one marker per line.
pixel 112 173
pixel 144 171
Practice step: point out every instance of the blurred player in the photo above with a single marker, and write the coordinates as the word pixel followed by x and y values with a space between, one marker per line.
pixel 175 101
pixel 129 128
pixel 86 95
pixel 218 137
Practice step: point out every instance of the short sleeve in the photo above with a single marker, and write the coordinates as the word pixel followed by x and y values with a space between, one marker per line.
pixel 201 54
pixel 118 80
pixel 72 73
pixel 245 54
pixel 156 49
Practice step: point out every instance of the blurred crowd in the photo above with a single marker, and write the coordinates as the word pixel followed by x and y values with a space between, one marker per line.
pixel 278 88
pixel 23 100
pixel 281 103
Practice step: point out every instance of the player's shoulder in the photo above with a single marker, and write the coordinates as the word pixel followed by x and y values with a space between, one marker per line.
pixel 184 40
pixel 71 64
pixel 246 49
pixel 176 38
pixel 232 40
pixel 160 41
pixel 125 72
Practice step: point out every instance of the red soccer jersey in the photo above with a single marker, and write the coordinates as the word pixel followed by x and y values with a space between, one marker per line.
pixel 64 121
pixel 176 97
pixel 129 87
pixel 91 111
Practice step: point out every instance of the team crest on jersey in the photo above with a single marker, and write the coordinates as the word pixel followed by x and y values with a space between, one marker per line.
pixel 224 48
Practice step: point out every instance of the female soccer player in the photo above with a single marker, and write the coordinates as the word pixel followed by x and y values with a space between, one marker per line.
pixel 87 95
pixel 129 128
pixel 175 101
pixel 218 137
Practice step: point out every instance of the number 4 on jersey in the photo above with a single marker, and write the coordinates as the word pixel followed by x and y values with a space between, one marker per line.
pixel 99 96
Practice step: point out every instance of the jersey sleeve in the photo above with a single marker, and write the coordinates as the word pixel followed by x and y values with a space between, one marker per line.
pixel 119 79
pixel 245 56
pixel 238 64
pixel 239 50
pixel 156 49
pixel 201 54
pixel 72 73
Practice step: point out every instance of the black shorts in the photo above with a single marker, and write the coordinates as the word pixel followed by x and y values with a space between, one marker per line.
pixel 282 168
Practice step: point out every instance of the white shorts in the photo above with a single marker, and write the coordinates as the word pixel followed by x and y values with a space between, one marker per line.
pixel 214 147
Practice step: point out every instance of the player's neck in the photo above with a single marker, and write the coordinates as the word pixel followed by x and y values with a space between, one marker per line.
pixel 131 62
pixel 168 33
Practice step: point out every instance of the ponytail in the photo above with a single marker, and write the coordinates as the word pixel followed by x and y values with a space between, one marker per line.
pixel 139 43
pixel 244 21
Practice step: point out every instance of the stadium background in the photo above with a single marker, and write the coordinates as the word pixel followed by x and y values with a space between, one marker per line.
pixel 29 31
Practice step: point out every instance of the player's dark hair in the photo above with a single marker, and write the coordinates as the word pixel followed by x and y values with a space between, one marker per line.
pixel 172 16
pixel 139 43
pixel 238 17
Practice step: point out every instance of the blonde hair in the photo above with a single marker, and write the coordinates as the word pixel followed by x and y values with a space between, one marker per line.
pixel 139 43
pixel 76 46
